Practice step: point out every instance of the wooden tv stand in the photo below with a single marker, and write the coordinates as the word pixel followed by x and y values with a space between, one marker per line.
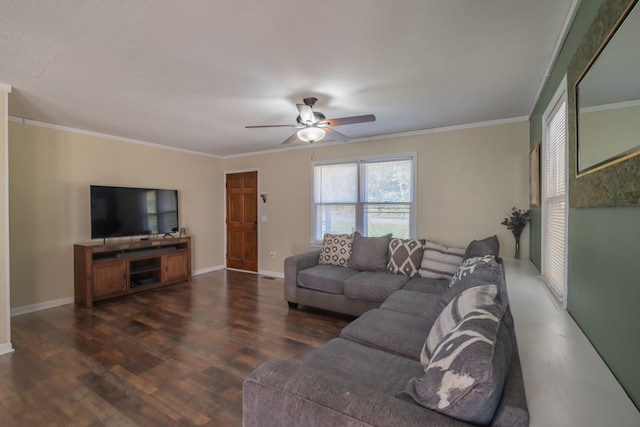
pixel 109 270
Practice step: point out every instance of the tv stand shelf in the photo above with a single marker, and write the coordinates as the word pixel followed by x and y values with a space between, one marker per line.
pixel 109 270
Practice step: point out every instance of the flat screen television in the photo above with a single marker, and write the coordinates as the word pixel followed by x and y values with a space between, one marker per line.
pixel 125 211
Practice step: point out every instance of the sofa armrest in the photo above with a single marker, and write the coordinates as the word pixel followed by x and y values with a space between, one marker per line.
pixel 286 393
pixel 292 265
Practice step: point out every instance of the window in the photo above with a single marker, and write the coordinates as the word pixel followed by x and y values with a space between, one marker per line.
pixel 554 194
pixel 374 197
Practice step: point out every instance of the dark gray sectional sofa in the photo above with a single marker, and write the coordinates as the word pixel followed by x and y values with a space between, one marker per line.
pixel 422 353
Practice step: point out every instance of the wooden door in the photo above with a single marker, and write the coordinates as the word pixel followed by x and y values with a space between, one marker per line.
pixel 242 221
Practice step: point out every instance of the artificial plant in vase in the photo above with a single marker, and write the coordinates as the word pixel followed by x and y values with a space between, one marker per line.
pixel 516 223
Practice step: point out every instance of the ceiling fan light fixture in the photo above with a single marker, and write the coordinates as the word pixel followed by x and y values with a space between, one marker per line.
pixel 311 134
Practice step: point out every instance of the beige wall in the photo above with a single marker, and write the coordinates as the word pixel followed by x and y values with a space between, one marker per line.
pixel 5 324
pixel 50 172
pixel 468 180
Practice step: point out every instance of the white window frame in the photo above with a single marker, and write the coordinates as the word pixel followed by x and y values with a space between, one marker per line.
pixel 558 98
pixel 360 161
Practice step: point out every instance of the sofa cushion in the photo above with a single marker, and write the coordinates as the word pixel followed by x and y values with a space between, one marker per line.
pixel 411 302
pixel 405 256
pixel 467 371
pixel 355 363
pixel 439 261
pixel 325 278
pixel 370 253
pixel 350 392
pixel 389 330
pixel 487 246
pixel 463 304
pixel 336 249
pixel 372 286
pixel 423 284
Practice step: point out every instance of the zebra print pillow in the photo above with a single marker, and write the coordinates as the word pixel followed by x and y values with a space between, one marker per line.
pixel 465 303
pixel 466 373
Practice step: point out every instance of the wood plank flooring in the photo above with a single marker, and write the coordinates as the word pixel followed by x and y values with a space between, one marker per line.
pixel 170 357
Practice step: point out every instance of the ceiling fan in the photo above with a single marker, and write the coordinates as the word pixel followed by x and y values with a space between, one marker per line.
pixel 314 125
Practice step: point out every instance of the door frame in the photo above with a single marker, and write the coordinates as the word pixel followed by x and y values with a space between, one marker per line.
pixel 224 214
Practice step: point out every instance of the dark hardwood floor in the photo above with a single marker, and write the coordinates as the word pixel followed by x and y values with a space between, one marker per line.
pixel 175 356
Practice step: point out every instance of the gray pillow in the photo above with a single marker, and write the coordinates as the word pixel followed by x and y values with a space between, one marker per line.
pixel 464 303
pixel 405 256
pixel 467 371
pixel 487 246
pixel 370 253
pixel 486 271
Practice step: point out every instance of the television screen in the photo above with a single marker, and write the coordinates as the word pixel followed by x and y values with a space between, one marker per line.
pixel 124 211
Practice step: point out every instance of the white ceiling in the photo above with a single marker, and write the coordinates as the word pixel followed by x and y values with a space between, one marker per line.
pixel 192 74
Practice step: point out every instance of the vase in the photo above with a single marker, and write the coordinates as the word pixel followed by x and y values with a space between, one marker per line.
pixel 517 254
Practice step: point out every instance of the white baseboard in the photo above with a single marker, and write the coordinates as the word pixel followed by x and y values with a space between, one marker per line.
pixel 241 271
pixel 271 274
pixel 6 348
pixel 260 272
pixel 207 270
pixel 41 306
pixel 69 300
pixel 222 267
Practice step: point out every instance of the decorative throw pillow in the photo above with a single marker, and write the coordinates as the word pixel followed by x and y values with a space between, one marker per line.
pixel 473 265
pixel 459 307
pixel 405 256
pixel 370 253
pixel 467 372
pixel 439 261
pixel 336 249
pixel 487 246
pixel 485 273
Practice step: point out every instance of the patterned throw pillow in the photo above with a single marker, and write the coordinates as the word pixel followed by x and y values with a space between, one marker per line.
pixel 459 307
pixel 485 273
pixel 471 265
pixel 336 249
pixel 467 372
pixel 439 261
pixel 405 256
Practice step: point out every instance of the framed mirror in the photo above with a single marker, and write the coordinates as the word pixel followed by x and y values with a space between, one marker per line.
pixel 608 98
pixel 613 179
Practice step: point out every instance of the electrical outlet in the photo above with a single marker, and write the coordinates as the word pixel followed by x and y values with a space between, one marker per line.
pixel 272 253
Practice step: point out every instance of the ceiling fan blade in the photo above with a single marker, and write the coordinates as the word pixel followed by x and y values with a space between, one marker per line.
pixel 271 126
pixel 306 114
pixel 334 134
pixel 351 120
pixel 292 138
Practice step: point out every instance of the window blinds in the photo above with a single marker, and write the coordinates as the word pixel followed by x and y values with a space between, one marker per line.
pixel 555 200
pixel 373 196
